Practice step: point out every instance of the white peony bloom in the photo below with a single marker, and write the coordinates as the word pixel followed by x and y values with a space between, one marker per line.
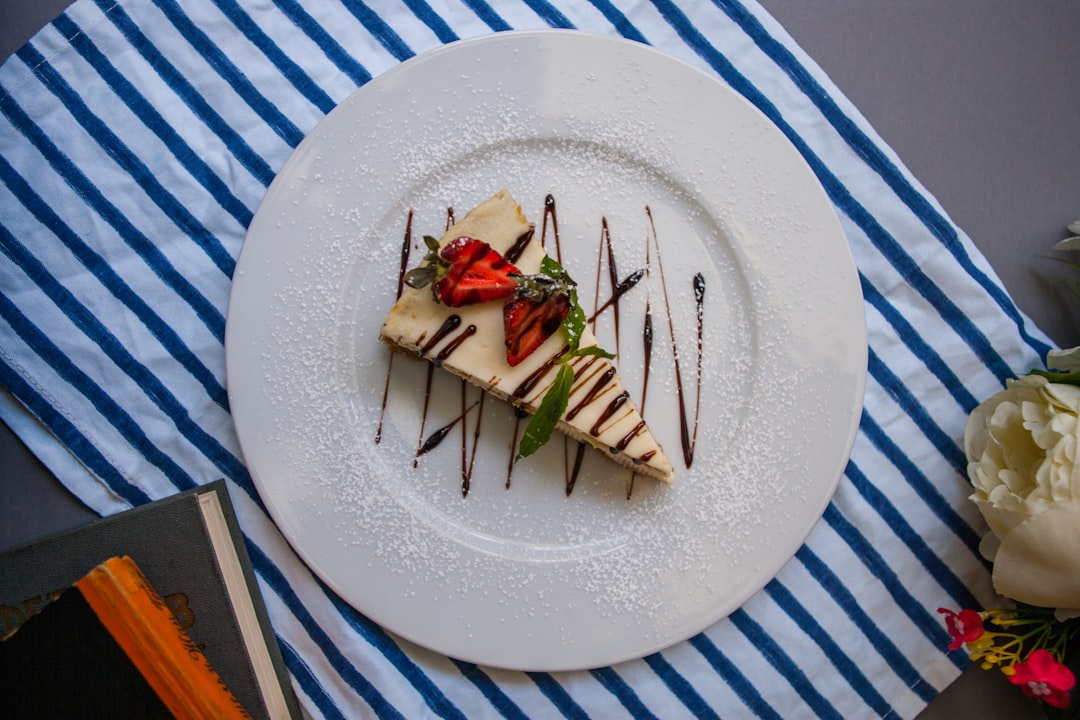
pixel 1022 446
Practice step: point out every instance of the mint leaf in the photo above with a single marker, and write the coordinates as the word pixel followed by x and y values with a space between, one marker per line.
pixel 552 407
pixel 574 323
pixel 550 266
pixel 595 350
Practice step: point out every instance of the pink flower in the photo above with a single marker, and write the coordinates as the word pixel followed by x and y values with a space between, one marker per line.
pixel 964 627
pixel 1043 677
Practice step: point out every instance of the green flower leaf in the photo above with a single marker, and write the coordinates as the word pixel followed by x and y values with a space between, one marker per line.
pixel 552 407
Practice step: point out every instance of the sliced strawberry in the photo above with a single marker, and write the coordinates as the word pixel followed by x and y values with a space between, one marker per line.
pixel 528 323
pixel 476 274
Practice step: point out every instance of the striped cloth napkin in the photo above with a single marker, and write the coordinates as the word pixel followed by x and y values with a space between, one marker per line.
pixel 136 141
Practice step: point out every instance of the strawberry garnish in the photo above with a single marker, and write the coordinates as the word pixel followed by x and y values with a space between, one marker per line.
pixel 528 323
pixel 477 274
pixel 467 271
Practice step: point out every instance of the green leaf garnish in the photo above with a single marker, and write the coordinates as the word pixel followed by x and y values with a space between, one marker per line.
pixel 552 407
pixel 429 271
pixel 420 277
pixel 573 326
pixel 574 323
pixel 551 267
pixel 595 350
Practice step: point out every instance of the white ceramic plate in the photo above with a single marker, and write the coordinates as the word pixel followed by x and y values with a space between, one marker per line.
pixel 528 577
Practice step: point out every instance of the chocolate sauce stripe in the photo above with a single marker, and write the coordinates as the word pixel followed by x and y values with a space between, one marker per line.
pixel 684 430
pixel 551 215
pixel 571 479
pixel 514 253
pixel 449 325
pixel 602 426
pixel 604 235
pixel 406 248
pixel 529 383
pixel 629 437
pixel 581 379
pixel 597 390
pixel 435 438
pixel 455 343
pixel 532 395
pixel 467 467
pixel 424 413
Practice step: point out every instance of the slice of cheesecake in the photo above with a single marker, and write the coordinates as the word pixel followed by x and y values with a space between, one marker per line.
pixel 470 341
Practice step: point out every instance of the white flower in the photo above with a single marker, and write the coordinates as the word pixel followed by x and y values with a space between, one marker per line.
pixel 1071 243
pixel 1064 360
pixel 1022 447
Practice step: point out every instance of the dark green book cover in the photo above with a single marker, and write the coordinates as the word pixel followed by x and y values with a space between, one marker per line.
pixel 173 541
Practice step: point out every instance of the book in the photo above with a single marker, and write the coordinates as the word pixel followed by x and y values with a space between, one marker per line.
pixel 190 548
pixel 109 646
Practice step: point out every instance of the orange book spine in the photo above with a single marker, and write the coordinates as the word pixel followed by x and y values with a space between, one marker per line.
pixel 145 628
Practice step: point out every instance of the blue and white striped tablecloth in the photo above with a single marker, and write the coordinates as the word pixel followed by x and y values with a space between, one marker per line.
pixel 138 137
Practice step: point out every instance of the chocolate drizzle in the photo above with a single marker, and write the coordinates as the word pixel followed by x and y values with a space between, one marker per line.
pixel 637 430
pixel 699 301
pixel 406 247
pixel 468 462
pixel 449 325
pixel 519 415
pixel 595 390
pixel 514 253
pixel 439 435
pixel 613 407
pixel 551 215
pixel 529 383
pixel 613 279
pixel 455 343
pixel 647 350
pixel 627 283
pixel 435 438
pixel 424 414
pixel 688 441
pixel 571 478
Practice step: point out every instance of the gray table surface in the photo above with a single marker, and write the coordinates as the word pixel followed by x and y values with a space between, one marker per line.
pixel 979 98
